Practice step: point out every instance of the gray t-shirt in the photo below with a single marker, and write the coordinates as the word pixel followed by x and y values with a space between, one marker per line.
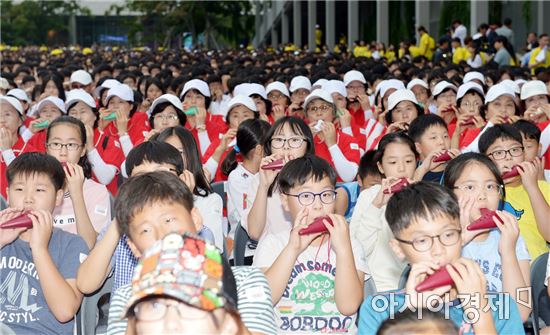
pixel 502 57
pixel 23 308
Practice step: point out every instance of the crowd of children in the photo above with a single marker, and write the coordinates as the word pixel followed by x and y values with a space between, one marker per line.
pixel 368 171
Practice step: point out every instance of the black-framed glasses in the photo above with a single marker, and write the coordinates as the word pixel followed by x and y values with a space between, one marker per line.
pixel 322 108
pixel 501 154
pixel 293 142
pixel 489 188
pixel 59 146
pixel 308 198
pixel 167 117
pixel 424 243
pixel 155 309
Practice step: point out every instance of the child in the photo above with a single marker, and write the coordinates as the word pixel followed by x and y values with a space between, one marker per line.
pixel 314 278
pixel 396 158
pixel 159 283
pixel 501 253
pixel 289 138
pixel 167 207
pixel 431 138
pixel 530 134
pixel 86 207
pixel 408 322
pixel 38 265
pixel 425 220
pixel 528 197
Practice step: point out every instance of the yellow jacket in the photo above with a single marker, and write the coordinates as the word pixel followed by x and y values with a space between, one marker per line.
pixel 460 54
pixel 534 54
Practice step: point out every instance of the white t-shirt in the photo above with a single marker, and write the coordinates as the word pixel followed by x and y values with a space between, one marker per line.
pixel 98 206
pixel 211 209
pixel 369 226
pixel 308 304
pixel 237 197
pixel 220 107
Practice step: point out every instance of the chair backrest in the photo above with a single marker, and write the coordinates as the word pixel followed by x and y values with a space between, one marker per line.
pixel 369 288
pixel 239 245
pixel 404 277
pixel 219 187
pixel 89 319
pixel 3 203
pixel 538 289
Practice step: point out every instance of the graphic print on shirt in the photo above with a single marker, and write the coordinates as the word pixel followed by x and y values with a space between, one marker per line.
pixel 510 209
pixel 17 296
pixel 308 304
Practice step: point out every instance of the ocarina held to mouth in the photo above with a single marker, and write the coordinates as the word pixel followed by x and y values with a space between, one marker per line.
pixel 444 157
pixel 485 221
pixel 439 278
pixel 316 226
pixel 275 165
pixel 110 117
pixel 514 172
pixel 468 122
pixel 21 221
pixel 403 182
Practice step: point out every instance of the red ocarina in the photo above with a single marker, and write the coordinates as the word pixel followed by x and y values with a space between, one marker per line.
pixel 485 221
pixel 64 165
pixel 469 122
pixel 21 221
pixel 512 173
pixel 439 278
pixel 275 165
pixel 316 226
pixel 442 158
pixel 397 187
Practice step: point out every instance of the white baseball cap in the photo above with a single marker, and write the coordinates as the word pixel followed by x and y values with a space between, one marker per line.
pixel 300 82
pixel 497 90
pixel 53 100
pixel 81 77
pixel 14 102
pixel 473 75
pixel 416 82
pixel 336 86
pixel 122 91
pixel 520 82
pixel 388 84
pixel 241 100
pixel 19 94
pixel 531 88
pixel 469 86
pixel 4 84
pixel 196 84
pixel 249 89
pixel 442 86
pixel 79 95
pixel 401 95
pixel 512 85
pixel 318 94
pixel 107 84
pixel 319 83
pixel 277 86
pixel 170 98
pixel 354 75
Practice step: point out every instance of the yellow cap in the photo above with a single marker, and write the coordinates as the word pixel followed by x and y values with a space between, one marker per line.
pixel 43 48
pixel 56 52
pixel 87 51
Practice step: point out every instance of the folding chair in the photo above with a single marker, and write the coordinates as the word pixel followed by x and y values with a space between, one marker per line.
pixel 539 292
pixel 92 318
pixel 239 245
pixel 219 188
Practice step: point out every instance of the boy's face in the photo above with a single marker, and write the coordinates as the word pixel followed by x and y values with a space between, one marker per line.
pixel 34 192
pixel 435 138
pixel 531 148
pixel 423 231
pixel 499 153
pixel 323 200
pixel 369 181
pixel 157 220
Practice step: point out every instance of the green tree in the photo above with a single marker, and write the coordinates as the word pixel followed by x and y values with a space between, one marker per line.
pixel 37 22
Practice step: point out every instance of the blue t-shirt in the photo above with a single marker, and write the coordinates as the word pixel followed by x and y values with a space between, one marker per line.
pixel 376 309
pixel 353 190
pixel 485 253
pixel 23 307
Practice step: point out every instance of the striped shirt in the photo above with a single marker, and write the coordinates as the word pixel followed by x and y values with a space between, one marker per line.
pixel 255 305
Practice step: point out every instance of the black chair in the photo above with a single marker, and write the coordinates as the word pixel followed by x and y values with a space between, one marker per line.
pixel 93 314
pixel 239 245
pixel 539 293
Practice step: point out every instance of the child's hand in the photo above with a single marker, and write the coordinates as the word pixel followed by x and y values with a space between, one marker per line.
pixel 339 233
pixel 468 279
pixel 529 172
pixel 8 235
pixel 382 198
pixel 189 179
pixel 41 232
pixel 419 272
pixel 74 174
pixel 466 205
pixel 509 232
pixel 268 176
pixel 121 122
pixel 298 243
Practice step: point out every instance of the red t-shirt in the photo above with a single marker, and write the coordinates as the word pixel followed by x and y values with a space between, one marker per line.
pixel 467 136
pixel 110 150
pixel 138 127
pixel 38 141
pixel 18 148
pixel 347 144
pixel 219 176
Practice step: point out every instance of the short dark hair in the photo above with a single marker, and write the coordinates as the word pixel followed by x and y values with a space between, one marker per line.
pixel 297 125
pixel 147 189
pixel 423 200
pixel 31 163
pixel 367 165
pixel 298 171
pixel 182 118
pixel 154 152
pixel 418 126
pixel 528 129
pixel 409 320
pixel 499 131
pixel 397 137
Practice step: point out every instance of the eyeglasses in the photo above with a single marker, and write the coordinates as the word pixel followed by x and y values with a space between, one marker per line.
pixel 166 117
pixel 468 104
pixel 501 154
pixel 489 188
pixel 155 309
pixel 424 243
pixel 308 198
pixel 322 108
pixel 59 146
pixel 356 88
pixel 293 142
pixel 272 96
